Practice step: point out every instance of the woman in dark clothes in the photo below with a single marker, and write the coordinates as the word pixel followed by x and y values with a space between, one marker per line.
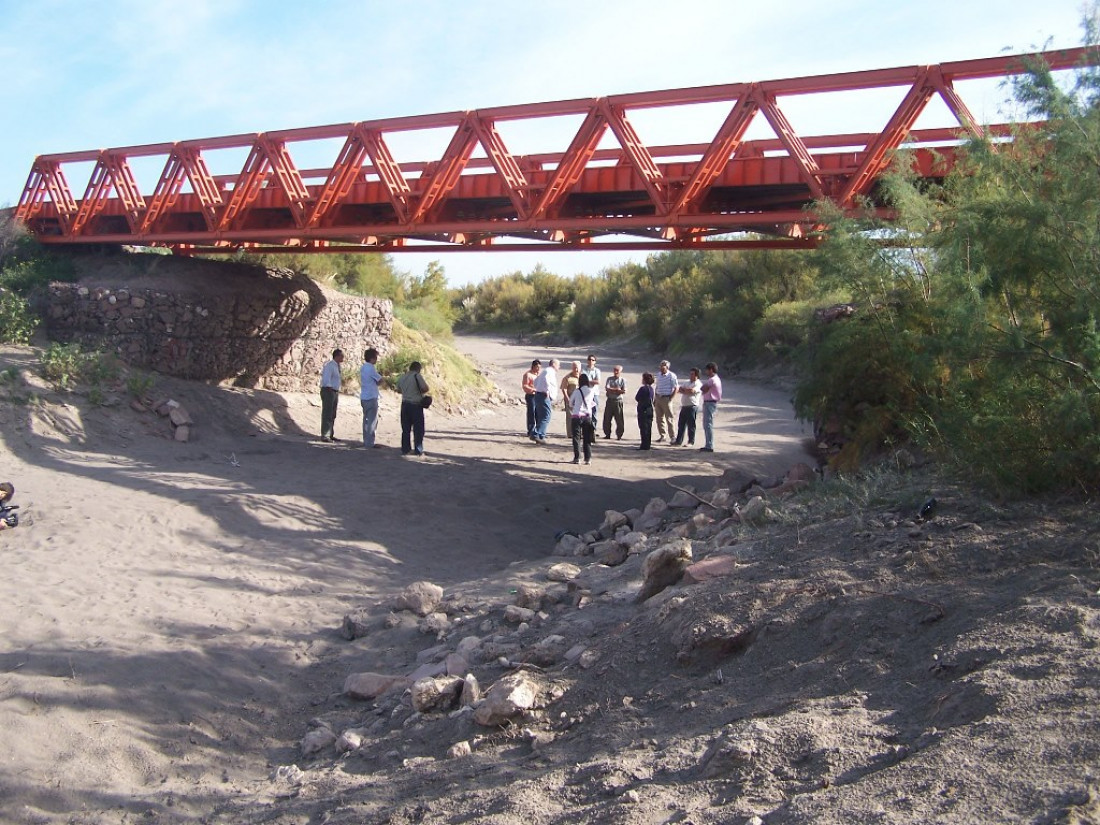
pixel 644 397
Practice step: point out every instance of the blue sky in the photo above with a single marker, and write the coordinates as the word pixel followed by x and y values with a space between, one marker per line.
pixel 87 74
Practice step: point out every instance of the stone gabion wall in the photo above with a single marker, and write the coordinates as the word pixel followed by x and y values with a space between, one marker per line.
pixel 271 330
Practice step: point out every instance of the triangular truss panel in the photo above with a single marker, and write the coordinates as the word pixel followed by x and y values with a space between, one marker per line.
pixel 752 179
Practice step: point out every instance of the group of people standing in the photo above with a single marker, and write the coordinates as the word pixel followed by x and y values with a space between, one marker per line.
pixel 580 392
pixel 415 398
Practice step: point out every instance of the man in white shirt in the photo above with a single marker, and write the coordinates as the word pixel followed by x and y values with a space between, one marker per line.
pixel 546 393
pixel 330 394
pixel 691 394
pixel 369 381
pixel 666 387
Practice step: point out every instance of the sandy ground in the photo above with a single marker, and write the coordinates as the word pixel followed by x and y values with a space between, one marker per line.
pixel 168 611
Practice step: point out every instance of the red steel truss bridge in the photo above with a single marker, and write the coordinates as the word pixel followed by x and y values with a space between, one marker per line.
pixel 604 184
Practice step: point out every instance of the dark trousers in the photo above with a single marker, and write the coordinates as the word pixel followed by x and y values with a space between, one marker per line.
pixel 613 411
pixel 583 434
pixel 686 423
pixel 330 398
pixel 412 424
pixel 530 399
pixel 645 426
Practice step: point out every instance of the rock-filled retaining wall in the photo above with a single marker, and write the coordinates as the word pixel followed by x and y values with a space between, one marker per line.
pixel 270 329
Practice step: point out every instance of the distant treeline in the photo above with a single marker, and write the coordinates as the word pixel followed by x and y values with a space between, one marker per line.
pixel 724 302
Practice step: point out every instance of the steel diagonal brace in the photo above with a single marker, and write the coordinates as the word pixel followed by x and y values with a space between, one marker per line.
pixel 389 172
pixel 184 163
pixel 930 80
pixel 206 189
pixel 247 186
pixel 362 142
pixel 515 182
pixel 638 155
pixel 126 188
pixel 811 173
pixel 111 173
pixel 718 154
pixel 266 155
pixel 349 163
pixel 47 177
pixel 571 165
pixel 290 180
pixel 442 179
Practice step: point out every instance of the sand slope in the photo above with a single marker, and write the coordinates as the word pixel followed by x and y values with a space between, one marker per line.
pixel 168 611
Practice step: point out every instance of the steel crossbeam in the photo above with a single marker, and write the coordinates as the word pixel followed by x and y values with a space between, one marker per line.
pixel 608 188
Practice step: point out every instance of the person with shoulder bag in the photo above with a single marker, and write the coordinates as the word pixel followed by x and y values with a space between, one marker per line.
pixel 581 409
pixel 414 390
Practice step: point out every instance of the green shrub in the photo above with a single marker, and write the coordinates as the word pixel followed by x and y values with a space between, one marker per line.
pixel 17 324
pixel 140 385
pixel 430 318
pixel 26 275
pixel 63 364
pixel 67 365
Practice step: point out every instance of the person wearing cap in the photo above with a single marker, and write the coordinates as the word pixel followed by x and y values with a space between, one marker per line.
pixel 528 385
pixel 331 379
pixel 665 389
pixel 712 394
pixel 613 406
pixel 413 388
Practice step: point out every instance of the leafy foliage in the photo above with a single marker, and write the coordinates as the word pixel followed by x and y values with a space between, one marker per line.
pixel 17 324
pixel 676 301
pixel 450 374
pixel 67 365
pixel 977 333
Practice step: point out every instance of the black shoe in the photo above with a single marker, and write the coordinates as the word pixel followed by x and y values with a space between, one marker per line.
pixel 643 448
pixel 705 450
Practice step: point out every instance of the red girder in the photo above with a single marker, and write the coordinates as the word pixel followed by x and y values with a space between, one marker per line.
pixel 684 195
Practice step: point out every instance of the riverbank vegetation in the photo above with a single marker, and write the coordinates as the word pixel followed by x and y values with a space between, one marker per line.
pixel 969 324
pixel 972 319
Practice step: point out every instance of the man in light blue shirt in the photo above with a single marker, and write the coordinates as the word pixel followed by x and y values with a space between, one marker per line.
pixel 330 394
pixel 667 386
pixel 369 380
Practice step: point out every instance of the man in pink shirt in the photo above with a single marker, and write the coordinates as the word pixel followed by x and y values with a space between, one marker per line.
pixel 712 394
